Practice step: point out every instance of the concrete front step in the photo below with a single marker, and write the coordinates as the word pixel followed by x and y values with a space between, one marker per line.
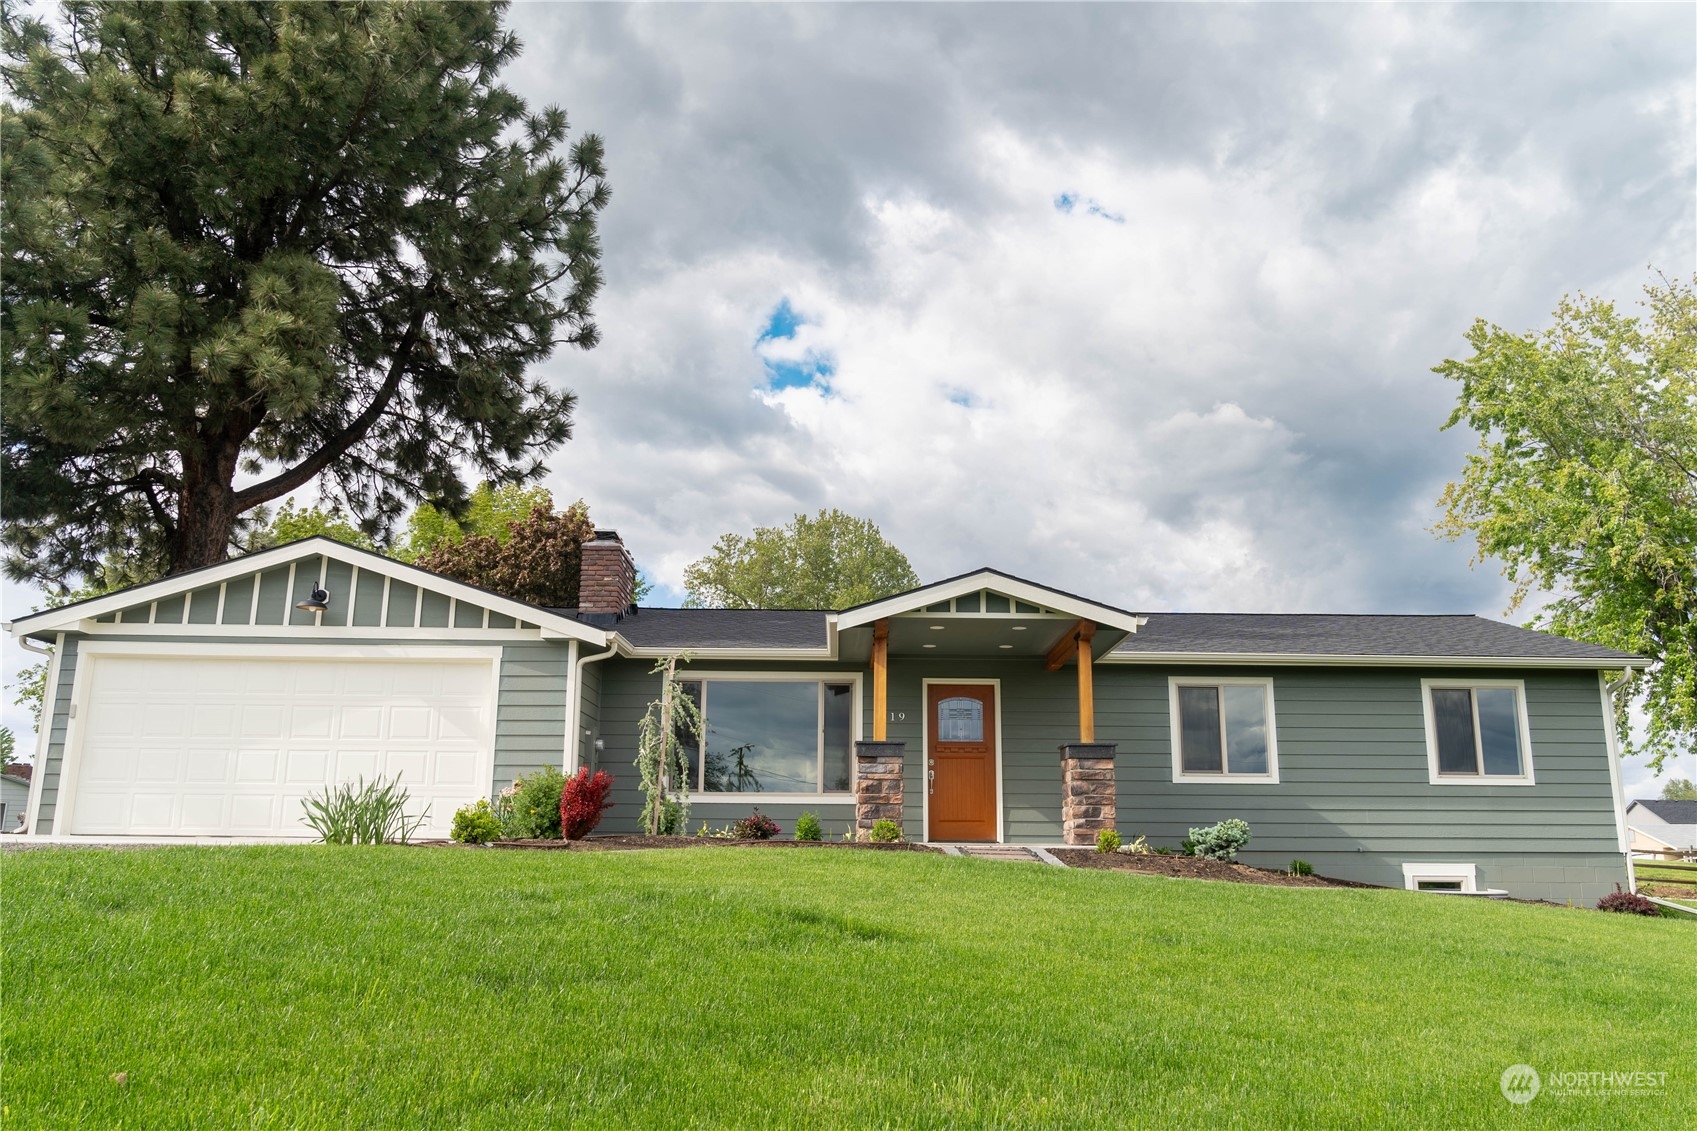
pixel 1014 853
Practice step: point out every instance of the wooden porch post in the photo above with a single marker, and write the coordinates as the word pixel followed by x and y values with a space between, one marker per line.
pixel 880 679
pixel 1086 690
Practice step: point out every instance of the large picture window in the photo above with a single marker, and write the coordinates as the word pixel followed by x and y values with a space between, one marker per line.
pixel 774 735
pixel 1223 730
pixel 1476 732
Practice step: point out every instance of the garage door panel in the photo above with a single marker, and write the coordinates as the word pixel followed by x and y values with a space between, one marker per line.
pixel 234 747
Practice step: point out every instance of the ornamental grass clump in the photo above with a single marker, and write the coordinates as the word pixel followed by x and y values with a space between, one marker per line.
pixel 363 812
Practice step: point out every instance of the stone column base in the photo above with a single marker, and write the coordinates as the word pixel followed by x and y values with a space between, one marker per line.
pixel 1088 795
pixel 877 784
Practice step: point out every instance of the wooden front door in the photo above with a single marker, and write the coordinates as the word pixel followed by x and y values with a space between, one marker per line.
pixel 960 761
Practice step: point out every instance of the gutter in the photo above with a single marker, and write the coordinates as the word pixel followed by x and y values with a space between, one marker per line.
pixel 1610 691
pixel 574 710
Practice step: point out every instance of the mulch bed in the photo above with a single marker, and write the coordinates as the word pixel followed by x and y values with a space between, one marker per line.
pixel 624 843
pixel 1192 868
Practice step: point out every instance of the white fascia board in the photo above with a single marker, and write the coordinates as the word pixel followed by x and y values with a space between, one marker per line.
pixel 915 600
pixel 626 649
pixel 1253 659
pixel 69 617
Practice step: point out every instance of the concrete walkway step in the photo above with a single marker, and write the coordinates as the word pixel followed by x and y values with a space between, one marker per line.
pixel 1012 853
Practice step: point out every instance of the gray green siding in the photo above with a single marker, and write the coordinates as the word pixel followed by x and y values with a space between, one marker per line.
pixel 55 757
pixel 276 601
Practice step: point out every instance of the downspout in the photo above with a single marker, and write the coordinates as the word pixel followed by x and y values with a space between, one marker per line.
pixel 574 715
pixel 1611 690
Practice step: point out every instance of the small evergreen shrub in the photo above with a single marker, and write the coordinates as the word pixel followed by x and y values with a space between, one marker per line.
pixel 1221 841
pixel 885 832
pixel 807 827
pixel 532 805
pixel 583 802
pixel 756 826
pixel 1301 868
pixel 1187 847
pixel 476 823
pixel 1107 841
pixel 1626 903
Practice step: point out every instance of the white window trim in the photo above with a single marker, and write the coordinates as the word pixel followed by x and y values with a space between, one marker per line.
pixel 1525 777
pixel 788 797
pixel 925 749
pixel 1467 874
pixel 1225 777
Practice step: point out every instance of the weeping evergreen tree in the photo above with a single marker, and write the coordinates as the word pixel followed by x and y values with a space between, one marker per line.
pixel 253 246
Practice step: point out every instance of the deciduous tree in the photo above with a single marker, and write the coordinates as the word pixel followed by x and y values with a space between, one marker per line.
pixel 830 560
pixel 252 245
pixel 1585 483
pixel 538 561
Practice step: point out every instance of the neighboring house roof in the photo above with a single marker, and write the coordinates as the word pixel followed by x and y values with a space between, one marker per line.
pixel 19 770
pixel 1347 636
pixel 1672 812
pixel 16 779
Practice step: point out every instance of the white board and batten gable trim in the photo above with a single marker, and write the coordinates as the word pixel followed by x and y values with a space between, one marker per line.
pixel 916 600
pixel 82 616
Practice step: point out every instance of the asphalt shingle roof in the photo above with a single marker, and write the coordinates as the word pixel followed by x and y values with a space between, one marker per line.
pixel 1673 812
pixel 724 628
pixel 1329 634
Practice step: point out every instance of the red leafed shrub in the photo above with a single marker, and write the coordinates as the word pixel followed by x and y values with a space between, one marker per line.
pixel 583 802
pixel 756 827
pixel 1627 904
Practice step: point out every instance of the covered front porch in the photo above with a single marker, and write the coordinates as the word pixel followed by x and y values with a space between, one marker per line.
pixel 983 713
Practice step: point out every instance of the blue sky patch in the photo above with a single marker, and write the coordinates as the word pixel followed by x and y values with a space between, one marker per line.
pixel 813 369
pixel 1070 202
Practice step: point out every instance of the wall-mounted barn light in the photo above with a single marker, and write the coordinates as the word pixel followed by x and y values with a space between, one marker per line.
pixel 316 602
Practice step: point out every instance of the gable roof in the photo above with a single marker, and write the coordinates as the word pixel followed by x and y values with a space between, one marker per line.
pixel 914 600
pixel 1274 637
pixel 1673 812
pixel 66 617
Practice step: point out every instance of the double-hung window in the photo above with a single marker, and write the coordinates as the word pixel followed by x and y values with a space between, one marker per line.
pixel 1476 732
pixel 1223 730
pixel 781 735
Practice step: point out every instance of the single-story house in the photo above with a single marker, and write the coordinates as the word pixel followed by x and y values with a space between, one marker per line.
pixel 1663 829
pixel 1440 752
pixel 14 796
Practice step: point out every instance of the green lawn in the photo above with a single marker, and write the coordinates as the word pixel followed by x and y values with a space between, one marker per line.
pixel 390 987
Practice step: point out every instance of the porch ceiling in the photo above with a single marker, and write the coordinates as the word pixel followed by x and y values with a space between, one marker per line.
pixel 978 635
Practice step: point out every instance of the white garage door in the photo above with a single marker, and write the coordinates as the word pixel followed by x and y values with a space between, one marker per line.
pixel 221 746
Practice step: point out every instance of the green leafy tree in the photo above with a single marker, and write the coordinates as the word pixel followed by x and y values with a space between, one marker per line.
pixel 830 560
pixel 8 747
pixel 668 731
pixel 1679 789
pixel 295 242
pixel 1585 483
pixel 291 523
pixel 491 512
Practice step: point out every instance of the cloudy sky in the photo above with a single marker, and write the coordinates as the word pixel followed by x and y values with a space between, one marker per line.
pixel 1136 300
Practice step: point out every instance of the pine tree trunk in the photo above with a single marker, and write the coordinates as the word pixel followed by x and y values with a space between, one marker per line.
pixel 206 510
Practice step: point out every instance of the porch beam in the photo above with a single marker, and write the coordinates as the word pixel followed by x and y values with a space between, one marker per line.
pixel 880 679
pixel 1067 646
pixel 1086 692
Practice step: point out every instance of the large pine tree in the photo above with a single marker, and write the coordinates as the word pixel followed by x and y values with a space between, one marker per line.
pixel 254 245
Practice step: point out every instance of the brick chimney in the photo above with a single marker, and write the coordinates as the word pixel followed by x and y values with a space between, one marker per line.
pixel 607 578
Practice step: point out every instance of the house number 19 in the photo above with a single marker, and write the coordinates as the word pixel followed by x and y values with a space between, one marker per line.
pixel 897 716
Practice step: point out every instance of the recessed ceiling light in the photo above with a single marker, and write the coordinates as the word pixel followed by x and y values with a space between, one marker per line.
pixel 927 645
pixel 1004 645
pixel 1019 628
pixel 936 628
